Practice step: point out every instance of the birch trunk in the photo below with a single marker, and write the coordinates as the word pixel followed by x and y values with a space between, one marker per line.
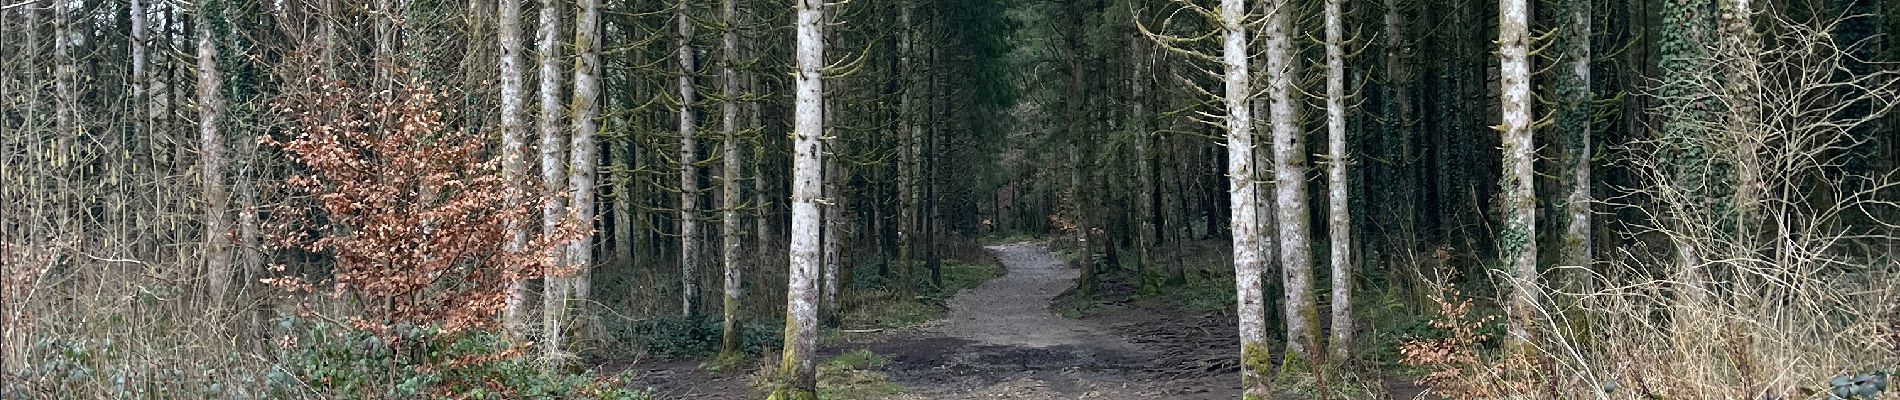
pixel 796 372
pixel 141 106
pixel 730 348
pixel 585 152
pixel 514 132
pixel 1339 221
pixel 688 173
pixel 553 177
pixel 1289 172
pixel 1518 243
pixel 211 156
pixel 1256 365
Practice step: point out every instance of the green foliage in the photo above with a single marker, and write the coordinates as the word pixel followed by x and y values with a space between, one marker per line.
pixel 875 304
pixel 331 361
pixel 686 337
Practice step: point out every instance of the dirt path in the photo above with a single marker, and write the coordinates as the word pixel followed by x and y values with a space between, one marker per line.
pixel 1001 341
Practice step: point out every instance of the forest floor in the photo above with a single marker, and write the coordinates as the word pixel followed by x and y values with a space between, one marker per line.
pixel 1001 340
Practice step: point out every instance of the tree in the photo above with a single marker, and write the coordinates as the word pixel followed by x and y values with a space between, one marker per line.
pixel 1574 120
pixel 1289 183
pixel 210 151
pixel 1339 221
pixel 688 156
pixel 1078 188
pixel 729 346
pixel 797 380
pixel 1518 246
pixel 514 148
pixel 585 153
pixel 1256 364
pixel 553 177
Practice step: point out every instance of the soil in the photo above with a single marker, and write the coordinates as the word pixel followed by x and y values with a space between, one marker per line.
pixel 1002 341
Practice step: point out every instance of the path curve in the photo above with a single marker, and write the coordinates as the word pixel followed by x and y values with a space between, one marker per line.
pixel 1013 310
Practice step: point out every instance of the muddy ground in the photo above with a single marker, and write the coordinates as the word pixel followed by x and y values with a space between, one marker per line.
pixel 1002 341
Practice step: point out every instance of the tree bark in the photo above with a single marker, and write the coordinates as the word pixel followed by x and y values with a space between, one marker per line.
pixel 796 372
pixel 1079 160
pixel 1575 120
pixel 514 147
pixel 211 154
pixel 553 178
pixel 730 348
pixel 1517 243
pixel 584 152
pixel 907 159
pixel 688 156
pixel 1289 171
pixel 1339 221
pixel 1256 365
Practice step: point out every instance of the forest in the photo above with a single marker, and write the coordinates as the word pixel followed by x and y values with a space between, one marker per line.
pixel 950 199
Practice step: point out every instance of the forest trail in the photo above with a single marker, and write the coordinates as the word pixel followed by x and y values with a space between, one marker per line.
pixel 1002 341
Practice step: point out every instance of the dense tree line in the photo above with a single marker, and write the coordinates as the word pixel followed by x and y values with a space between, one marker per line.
pixel 151 149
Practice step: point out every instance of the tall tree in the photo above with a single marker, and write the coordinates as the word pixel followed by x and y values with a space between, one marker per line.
pixel 688 157
pixel 1075 113
pixel 1256 364
pixel 1574 115
pixel 553 177
pixel 210 150
pixel 797 378
pixel 1518 246
pixel 834 204
pixel 585 152
pixel 729 346
pixel 1289 183
pixel 514 148
pixel 1339 221
pixel 907 158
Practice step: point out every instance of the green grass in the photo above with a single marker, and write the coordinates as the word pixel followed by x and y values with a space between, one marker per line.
pixel 855 375
pixel 881 308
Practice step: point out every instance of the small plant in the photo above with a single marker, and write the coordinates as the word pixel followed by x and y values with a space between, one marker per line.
pixel 1456 368
pixel 332 361
pixel 688 337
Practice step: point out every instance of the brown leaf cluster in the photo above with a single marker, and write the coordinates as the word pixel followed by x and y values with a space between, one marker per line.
pixel 1456 369
pixel 412 210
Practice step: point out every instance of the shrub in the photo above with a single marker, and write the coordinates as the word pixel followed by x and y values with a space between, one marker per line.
pixel 329 360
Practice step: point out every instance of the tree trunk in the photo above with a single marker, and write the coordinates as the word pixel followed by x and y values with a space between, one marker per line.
pixel 1398 79
pixel 907 159
pixel 1256 365
pixel 730 348
pixel 689 174
pixel 1575 119
pixel 834 207
pixel 553 178
pixel 797 380
pixel 211 154
pixel 584 152
pixel 514 147
pixel 141 105
pixel 1289 171
pixel 1079 160
pixel 1339 224
pixel 1517 243
pixel 1144 166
